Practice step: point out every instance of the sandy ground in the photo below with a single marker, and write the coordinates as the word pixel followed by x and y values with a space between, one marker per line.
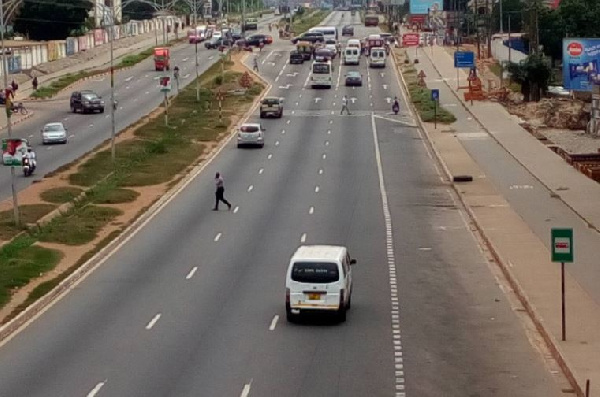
pixel 148 195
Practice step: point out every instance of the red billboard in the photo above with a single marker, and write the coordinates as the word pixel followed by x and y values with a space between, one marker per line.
pixel 416 19
pixel 410 39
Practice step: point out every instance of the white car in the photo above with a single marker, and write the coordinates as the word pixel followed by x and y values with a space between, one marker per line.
pixel 251 134
pixel 54 133
pixel 319 279
pixel 217 34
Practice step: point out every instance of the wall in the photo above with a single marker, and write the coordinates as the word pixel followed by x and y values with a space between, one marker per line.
pixel 500 52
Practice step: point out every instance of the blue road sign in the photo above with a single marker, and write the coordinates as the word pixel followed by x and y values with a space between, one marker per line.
pixel 464 59
pixel 435 94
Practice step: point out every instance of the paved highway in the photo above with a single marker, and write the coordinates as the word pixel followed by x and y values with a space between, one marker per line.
pixel 193 304
pixel 136 90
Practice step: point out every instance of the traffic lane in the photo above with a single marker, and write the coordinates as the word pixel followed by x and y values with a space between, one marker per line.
pixel 132 287
pixel 348 211
pixel 233 355
pixel 536 205
pixel 459 331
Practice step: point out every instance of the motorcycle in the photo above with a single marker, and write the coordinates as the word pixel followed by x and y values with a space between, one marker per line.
pixel 28 167
pixel 396 107
pixel 18 107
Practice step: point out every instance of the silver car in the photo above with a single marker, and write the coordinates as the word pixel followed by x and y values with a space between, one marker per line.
pixel 251 134
pixel 54 133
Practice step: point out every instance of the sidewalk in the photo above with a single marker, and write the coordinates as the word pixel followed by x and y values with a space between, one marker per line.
pixel 523 258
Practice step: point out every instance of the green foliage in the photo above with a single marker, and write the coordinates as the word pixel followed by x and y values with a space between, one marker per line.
pixel 138 10
pixel 512 9
pixel 533 75
pixel 51 19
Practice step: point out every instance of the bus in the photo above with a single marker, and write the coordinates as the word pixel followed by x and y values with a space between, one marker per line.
pixel 329 32
pixel 321 74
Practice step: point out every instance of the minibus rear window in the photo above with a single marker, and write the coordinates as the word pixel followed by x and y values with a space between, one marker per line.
pixel 315 272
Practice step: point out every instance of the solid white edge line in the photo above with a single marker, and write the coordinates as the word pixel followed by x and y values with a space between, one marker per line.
pixel 274 323
pixel 191 273
pixel 153 321
pixel 390 242
pixel 96 388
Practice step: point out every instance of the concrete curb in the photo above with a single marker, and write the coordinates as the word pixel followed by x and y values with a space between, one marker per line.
pixel 19 121
pixel 589 224
pixel 10 329
pixel 549 340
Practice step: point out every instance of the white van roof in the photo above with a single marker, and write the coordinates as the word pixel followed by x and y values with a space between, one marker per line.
pixel 319 252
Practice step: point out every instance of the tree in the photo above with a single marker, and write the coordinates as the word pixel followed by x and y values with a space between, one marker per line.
pixel 580 17
pixel 138 11
pixel 533 74
pixel 552 31
pixel 51 19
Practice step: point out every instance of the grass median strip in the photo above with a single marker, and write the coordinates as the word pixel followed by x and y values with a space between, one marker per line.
pixel 420 96
pixel 155 154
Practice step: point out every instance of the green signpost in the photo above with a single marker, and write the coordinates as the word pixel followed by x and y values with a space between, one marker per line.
pixel 562 251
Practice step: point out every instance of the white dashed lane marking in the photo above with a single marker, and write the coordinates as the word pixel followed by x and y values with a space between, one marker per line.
pixel 250 188
pixel 270 156
pixel 261 171
pixel 153 322
pixel 303 238
pixel 218 236
pixel 321 172
pixel 273 323
pixel 316 189
pixel 311 210
pixel 96 389
pixel 191 273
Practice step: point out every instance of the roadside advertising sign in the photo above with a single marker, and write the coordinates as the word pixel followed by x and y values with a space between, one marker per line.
pixel 12 151
pixel 425 6
pixel 410 39
pixel 562 245
pixel 581 61
pixel 464 59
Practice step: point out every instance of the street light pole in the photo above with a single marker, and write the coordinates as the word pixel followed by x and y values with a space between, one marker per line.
pixel 8 113
pixel 501 19
pixel 113 128
pixel 196 44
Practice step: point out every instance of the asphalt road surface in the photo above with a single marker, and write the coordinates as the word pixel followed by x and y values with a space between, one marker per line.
pixel 194 303
pixel 137 92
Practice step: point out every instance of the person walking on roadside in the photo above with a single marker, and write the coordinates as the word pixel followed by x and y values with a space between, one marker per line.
pixel 219 193
pixel 14 85
pixel 345 105
pixel 255 67
pixel 34 83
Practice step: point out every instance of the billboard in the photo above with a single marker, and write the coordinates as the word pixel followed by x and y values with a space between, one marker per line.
pixel 425 6
pixel 581 60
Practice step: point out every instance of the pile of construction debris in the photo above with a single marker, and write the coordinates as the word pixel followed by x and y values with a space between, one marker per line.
pixel 555 113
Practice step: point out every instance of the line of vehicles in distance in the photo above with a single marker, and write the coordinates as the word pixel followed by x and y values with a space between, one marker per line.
pixel 321 45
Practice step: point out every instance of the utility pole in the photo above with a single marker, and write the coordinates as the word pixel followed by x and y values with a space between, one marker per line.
pixel 8 114
pixel 113 128
pixel 501 17
pixel 477 28
pixel 196 44
pixel 244 18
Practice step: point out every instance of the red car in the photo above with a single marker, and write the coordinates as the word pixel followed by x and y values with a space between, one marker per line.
pixel 268 39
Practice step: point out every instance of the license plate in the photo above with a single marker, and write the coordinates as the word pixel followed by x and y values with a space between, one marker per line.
pixel 314 297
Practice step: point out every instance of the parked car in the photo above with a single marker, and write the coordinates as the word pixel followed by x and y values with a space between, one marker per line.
pixel 250 134
pixel 271 106
pixel 348 30
pixel 353 79
pixel 296 57
pixel 54 133
pixel 86 101
pixel 268 39
pixel 311 37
